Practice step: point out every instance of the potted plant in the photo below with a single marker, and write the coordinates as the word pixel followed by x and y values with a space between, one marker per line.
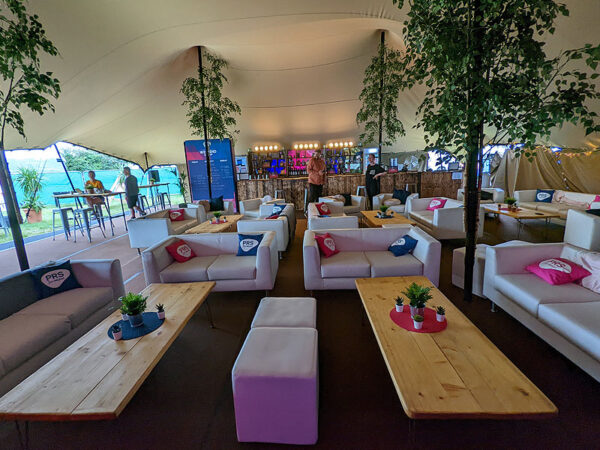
pixel 217 215
pixel 160 311
pixel 440 313
pixel 29 180
pixel 399 304
pixel 418 296
pixel 383 210
pixel 418 321
pixel 134 305
pixel 512 203
pixel 123 313
pixel 116 332
pixel 152 180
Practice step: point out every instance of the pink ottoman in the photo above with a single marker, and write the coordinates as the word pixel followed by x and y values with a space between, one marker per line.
pixel 275 386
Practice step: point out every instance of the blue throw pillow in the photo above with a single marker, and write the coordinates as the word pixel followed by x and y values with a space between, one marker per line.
pixel 401 194
pixel 249 244
pixel 544 195
pixel 278 208
pixel 54 279
pixel 402 246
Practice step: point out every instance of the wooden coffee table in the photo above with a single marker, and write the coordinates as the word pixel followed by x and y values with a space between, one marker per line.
pixel 96 377
pixel 370 217
pixel 207 227
pixel 520 215
pixel 454 374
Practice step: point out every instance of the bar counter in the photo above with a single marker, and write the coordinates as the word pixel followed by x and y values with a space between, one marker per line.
pixel 427 184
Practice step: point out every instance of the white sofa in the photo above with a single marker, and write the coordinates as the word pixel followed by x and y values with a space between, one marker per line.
pixel 279 226
pixel 215 260
pixel 251 208
pixel 565 316
pixel 562 201
pixel 337 218
pixel 443 223
pixel 147 230
pixel 359 203
pixel 497 195
pixel 392 203
pixel 266 209
pixel 227 210
pixel 364 253
pixel 583 230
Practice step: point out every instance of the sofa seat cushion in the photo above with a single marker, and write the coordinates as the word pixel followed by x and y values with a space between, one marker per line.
pixel 529 205
pixel 578 322
pixel 552 208
pixel 398 209
pixel 346 265
pixel 352 209
pixel 22 336
pixel 195 269
pixel 385 264
pixel 392 202
pixel 75 305
pixel 530 291
pixel 423 216
pixel 232 267
pixel 182 225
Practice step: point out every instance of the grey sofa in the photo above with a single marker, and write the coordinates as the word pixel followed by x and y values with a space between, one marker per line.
pixel 33 331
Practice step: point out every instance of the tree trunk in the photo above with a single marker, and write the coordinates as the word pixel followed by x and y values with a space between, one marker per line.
pixel 382 55
pixel 471 216
pixel 204 125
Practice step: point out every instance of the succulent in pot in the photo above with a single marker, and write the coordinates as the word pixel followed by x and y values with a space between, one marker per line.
pixel 160 311
pixel 217 216
pixel 399 304
pixel 418 297
pixel 440 313
pixel 418 321
pixel 511 202
pixel 134 305
pixel 116 332
pixel 383 209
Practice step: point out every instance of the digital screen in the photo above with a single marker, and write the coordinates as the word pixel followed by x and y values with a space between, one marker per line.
pixel 221 168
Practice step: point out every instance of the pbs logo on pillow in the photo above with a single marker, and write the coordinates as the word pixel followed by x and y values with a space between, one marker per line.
pixel 248 244
pixel 400 241
pixel 175 214
pixel 555 264
pixel 184 250
pixel 541 196
pixel 55 278
pixel 435 203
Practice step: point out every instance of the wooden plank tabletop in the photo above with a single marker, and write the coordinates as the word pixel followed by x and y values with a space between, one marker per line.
pixel 96 377
pixel 522 213
pixel 454 374
pixel 207 227
pixel 374 222
pixel 85 194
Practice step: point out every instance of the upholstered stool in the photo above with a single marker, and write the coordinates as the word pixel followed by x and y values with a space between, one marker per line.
pixel 286 312
pixel 275 386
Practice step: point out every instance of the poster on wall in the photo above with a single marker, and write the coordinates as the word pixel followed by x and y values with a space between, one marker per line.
pixel 221 167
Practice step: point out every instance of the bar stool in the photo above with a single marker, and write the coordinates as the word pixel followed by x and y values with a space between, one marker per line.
pixel 63 212
pixel 363 189
pixel 305 200
pixel 280 194
pixel 141 200
pixel 100 216
pixel 411 187
pixel 83 221
pixel 165 196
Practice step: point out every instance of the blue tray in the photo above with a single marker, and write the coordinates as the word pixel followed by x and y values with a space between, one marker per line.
pixel 151 323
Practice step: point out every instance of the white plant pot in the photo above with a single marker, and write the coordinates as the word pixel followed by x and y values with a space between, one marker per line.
pixel 418 325
pixel 118 335
pixel 440 317
pixel 124 317
pixel 399 308
pixel 161 315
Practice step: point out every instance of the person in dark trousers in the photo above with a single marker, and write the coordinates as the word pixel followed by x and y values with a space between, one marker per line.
pixel 317 170
pixel 372 174
pixel 131 192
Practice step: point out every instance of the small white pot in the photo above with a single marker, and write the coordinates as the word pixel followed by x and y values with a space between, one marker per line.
pixel 418 325
pixel 118 335
pixel 124 317
pixel 440 317
pixel 160 314
pixel 399 308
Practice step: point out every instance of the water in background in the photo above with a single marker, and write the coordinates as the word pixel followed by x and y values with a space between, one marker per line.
pixel 58 182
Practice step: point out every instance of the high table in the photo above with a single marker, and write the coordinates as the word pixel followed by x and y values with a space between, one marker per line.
pixel 154 194
pixel 453 374
pixel 96 377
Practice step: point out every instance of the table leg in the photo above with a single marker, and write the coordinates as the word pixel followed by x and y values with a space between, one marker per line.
pixel 23 435
pixel 519 225
pixel 209 313
pixel 86 223
pixel 123 211
pixel 65 221
pixel 493 307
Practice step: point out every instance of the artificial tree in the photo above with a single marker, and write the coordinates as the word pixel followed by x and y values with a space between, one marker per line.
pixel 379 96
pixel 210 113
pixel 489 80
pixel 24 85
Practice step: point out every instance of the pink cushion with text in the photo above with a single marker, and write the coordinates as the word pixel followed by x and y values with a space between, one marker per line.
pixel 323 208
pixel 180 251
pixel 436 203
pixel 558 271
pixel 326 245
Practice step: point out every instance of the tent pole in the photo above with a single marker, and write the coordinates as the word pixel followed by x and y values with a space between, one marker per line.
pixel 381 100
pixel 205 128
pixel 5 182
pixel 60 158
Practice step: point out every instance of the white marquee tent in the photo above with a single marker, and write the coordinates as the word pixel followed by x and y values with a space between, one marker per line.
pixel 296 70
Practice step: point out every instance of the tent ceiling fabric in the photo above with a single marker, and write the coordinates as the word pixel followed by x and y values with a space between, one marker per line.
pixel 296 70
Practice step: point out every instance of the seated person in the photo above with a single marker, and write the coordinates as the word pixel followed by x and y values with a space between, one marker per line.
pixel 94 186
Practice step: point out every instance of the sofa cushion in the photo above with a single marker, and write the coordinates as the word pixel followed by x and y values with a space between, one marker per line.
pixel 392 202
pixel 54 278
pixel 591 262
pixel 346 265
pixel 529 291
pixel 180 251
pixel 323 208
pixel 177 215
pixel 352 209
pixel 182 225
pixel 22 336
pixel 216 204
pixel 423 216
pixel 401 194
pixel 402 246
pixel 232 267
pixel 436 203
pixel 348 199
pixel 385 264
pixel 552 208
pixel 578 322
pixel 544 195
pixel 248 244
pixel 529 205
pixel 558 271
pixel 75 305
pixel 326 245
pixel 196 269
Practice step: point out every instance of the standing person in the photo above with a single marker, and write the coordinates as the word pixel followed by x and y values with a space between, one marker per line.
pixel 316 169
pixel 131 192
pixel 372 174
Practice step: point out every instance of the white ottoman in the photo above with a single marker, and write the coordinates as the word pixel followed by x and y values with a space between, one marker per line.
pixel 275 386
pixel 286 312
pixel 458 266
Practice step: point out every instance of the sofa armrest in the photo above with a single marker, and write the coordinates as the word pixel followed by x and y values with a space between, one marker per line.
pixel 360 201
pixel 100 273
pixel 417 204
pixel 192 213
pixel 267 262
pixel 526 195
pixel 429 252
pixel 312 261
pixel 228 207
pixel 144 232
pixel 460 195
pixel 449 218
pixel 498 194
pixel 155 259
pixel 378 200
pixel 250 205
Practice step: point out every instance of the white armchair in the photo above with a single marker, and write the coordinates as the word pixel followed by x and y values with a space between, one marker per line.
pixel 227 210
pixel 359 203
pixel 266 209
pixel 392 203
pixel 337 218
pixel 443 223
pixel 251 207
pixel 497 195
pixel 147 230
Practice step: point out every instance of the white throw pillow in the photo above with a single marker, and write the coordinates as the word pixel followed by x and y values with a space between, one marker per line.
pixel 392 202
pixel 591 262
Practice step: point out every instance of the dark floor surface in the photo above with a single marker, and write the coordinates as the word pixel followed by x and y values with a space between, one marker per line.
pixel 186 402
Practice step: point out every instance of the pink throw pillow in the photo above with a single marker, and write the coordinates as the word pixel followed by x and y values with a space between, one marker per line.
pixel 591 262
pixel 558 271
pixel 596 200
pixel 323 208
pixel 326 245
pixel 436 203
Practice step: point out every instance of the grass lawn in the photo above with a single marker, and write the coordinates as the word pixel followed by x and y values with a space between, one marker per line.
pixel 45 226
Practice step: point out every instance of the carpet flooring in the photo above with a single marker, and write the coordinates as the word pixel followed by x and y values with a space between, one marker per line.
pixel 186 401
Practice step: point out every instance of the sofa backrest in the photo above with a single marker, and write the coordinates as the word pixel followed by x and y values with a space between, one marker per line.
pixel 18 291
pixel 365 239
pixel 336 208
pixel 573 198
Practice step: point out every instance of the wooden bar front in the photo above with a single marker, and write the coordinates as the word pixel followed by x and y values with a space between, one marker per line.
pixel 428 184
